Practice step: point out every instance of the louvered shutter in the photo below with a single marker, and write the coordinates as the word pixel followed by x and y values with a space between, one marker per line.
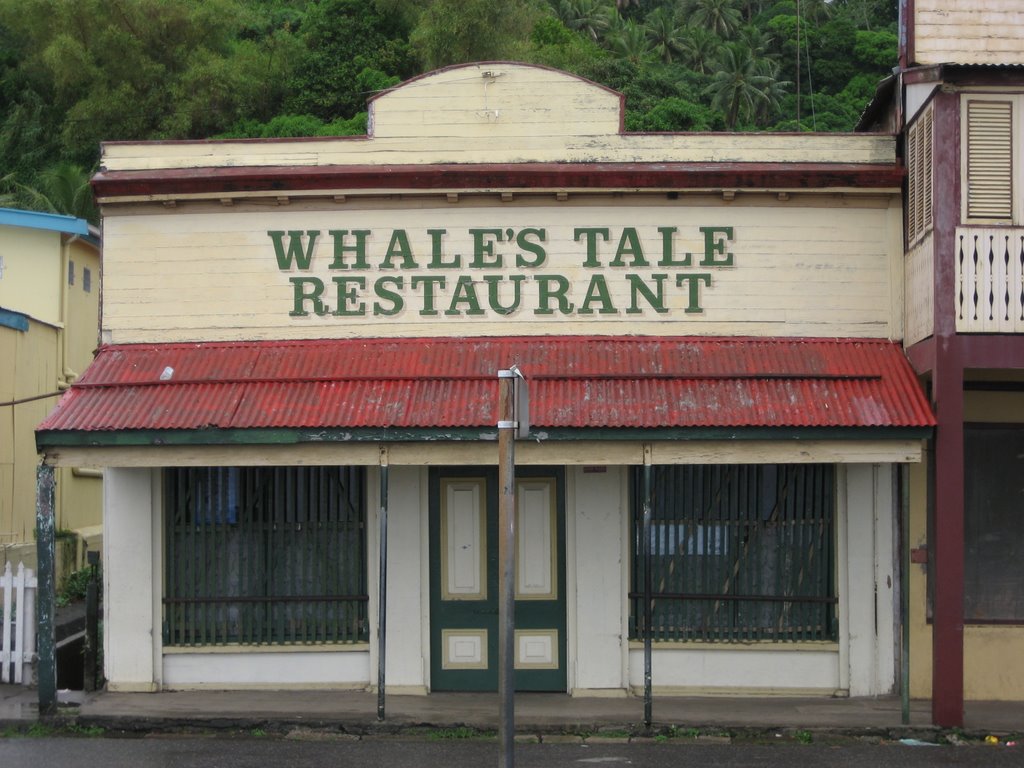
pixel 989 159
pixel 919 186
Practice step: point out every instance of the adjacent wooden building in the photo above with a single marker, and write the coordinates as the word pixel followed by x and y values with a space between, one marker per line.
pixel 49 329
pixel 956 102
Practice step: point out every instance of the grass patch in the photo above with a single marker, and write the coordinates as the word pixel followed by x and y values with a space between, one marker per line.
pixel 459 733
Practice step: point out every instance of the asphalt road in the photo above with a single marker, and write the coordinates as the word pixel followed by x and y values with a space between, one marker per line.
pixel 219 752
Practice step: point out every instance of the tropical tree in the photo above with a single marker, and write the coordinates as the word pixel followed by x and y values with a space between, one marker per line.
pixel 699 48
pixel 61 188
pixel 457 31
pixel 664 33
pixel 720 17
pixel 740 85
pixel 630 42
pixel 588 17
pixel 143 69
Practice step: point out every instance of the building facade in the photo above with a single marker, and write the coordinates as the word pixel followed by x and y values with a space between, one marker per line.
pixel 49 329
pixel 302 335
pixel 957 101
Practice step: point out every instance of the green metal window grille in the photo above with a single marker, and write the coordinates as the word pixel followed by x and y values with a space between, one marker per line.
pixel 264 555
pixel 738 553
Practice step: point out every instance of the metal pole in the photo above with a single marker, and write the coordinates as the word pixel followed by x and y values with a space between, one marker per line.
pixel 506 568
pixel 382 587
pixel 904 497
pixel 648 590
pixel 46 596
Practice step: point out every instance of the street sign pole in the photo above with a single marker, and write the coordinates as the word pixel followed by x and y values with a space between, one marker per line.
pixel 506 566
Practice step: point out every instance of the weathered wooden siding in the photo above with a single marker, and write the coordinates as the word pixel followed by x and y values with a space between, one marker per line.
pixel 968 31
pixel 815 266
pixel 522 114
pixel 920 288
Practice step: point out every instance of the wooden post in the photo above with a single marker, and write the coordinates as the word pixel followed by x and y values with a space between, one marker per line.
pixel 382 587
pixel 648 590
pixel 46 594
pixel 506 567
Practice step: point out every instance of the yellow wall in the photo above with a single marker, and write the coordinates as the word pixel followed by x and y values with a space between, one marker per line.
pixel 992 654
pixel 35 362
pixel 32 272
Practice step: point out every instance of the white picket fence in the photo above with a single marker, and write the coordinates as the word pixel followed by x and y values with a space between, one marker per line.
pixel 18 640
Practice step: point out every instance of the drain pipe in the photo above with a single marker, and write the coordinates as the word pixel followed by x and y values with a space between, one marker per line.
pixel 382 584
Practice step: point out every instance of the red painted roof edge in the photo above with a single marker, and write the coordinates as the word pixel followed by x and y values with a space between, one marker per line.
pixel 524 176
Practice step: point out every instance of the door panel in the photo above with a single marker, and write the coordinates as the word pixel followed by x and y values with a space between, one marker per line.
pixel 464 539
pixel 464 574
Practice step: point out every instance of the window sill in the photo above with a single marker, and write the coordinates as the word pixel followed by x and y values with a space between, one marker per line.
pixel 741 646
pixel 170 650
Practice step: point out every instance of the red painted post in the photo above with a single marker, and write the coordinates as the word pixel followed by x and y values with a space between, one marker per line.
pixel 948 565
pixel 947 569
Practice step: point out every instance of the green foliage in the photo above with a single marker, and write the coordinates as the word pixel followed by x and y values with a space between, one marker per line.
pixel 73 74
pixel 675 114
pixel 876 49
pixel 75 585
pixel 342 39
pixel 297 126
pixel 458 31
pixel 60 188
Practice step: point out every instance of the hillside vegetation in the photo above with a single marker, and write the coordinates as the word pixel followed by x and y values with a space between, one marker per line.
pixel 74 73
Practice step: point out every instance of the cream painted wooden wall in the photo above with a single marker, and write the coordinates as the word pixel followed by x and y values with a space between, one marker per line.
pixel 968 31
pixel 501 113
pixel 815 265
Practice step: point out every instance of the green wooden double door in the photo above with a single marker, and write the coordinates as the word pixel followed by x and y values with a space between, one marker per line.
pixel 464 579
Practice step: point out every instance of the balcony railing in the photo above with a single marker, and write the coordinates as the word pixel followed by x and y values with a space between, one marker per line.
pixel 990 280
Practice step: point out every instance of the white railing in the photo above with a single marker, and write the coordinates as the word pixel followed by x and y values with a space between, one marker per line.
pixel 989 280
pixel 18 639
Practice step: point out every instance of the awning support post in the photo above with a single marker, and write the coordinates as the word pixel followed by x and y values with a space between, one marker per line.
pixel 903 494
pixel 648 588
pixel 46 595
pixel 382 584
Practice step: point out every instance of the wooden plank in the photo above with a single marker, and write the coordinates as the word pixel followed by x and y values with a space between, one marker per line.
pixel 166 276
pixel 579 453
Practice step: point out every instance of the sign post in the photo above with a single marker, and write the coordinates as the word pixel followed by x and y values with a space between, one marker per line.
pixel 512 397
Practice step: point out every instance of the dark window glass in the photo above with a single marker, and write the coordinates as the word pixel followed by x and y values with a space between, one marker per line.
pixel 738 552
pixel 265 555
pixel 993 518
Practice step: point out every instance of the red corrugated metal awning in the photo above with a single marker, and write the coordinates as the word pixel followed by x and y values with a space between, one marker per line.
pixel 424 383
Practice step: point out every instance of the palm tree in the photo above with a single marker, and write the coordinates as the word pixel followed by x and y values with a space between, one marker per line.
pixel 61 188
pixel 774 90
pixel 721 17
pixel 758 41
pixel 664 34
pixel 589 17
pixel 740 86
pixel 629 42
pixel 699 48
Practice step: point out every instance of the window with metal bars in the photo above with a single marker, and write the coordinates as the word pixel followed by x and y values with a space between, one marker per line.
pixel 738 553
pixel 264 555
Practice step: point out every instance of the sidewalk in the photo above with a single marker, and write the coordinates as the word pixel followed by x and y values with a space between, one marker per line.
pixel 356 712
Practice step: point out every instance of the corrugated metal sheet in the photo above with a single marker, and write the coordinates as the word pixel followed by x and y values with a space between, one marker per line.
pixel 575 382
